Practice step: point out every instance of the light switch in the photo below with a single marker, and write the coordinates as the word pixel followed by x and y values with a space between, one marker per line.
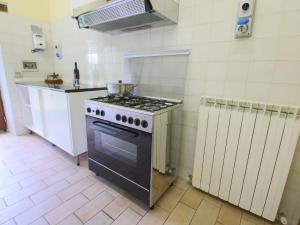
pixel 244 22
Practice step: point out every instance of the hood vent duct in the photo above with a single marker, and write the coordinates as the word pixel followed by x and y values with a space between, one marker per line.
pixel 127 15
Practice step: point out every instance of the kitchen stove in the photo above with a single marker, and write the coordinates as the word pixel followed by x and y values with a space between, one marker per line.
pixel 135 112
pixel 129 143
pixel 140 103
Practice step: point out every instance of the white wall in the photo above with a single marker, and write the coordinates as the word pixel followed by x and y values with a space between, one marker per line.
pixel 265 67
pixel 16 44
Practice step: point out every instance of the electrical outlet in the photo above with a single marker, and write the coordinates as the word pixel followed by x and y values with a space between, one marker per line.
pixel 244 22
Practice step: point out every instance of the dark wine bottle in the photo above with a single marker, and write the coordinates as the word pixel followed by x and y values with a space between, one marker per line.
pixel 76 72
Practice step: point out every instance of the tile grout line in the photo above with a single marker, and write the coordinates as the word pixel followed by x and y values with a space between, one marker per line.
pixel 74 214
pixel 106 214
pixel 196 210
pixel 169 213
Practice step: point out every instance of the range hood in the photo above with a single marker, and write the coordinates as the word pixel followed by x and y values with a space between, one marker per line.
pixel 117 16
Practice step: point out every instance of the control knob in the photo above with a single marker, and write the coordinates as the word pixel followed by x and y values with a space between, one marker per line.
pixel 124 119
pixel 144 124
pixel 130 120
pixel 137 122
pixel 118 117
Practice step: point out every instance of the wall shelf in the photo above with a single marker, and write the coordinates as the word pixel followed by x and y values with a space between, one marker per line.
pixel 158 53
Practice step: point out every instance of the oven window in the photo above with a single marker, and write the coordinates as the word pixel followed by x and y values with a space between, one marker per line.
pixel 118 149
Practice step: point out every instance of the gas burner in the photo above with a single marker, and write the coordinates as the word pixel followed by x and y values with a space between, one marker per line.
pixel 136 102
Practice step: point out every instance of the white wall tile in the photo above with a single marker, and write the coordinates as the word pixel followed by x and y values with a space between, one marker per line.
pixel 261 71
pixel 265 49
pixel 203 12
pixel 218 51
pixel 290 23
pixel 237 71
pixel 267 25
pixel 234 89
pixel 292 5
pixel 289 48
pixel 287 72
pixel 216 71
pixel 269 6
pixel 257 91
pixel 286 93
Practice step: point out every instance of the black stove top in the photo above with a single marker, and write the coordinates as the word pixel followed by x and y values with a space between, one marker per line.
pixel 136 102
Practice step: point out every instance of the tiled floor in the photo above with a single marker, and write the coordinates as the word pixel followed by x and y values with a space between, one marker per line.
pixel 41 185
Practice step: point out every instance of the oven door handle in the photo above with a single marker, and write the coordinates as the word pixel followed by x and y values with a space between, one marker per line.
pixel 113 130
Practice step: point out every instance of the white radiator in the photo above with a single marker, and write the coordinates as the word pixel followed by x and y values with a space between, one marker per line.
pixel 244 152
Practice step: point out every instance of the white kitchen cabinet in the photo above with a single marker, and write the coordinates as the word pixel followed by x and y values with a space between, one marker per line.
pixel 57 116
pixel 31 109
pixel 56 119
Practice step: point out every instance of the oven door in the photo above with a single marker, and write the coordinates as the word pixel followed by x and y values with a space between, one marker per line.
pixel 125 151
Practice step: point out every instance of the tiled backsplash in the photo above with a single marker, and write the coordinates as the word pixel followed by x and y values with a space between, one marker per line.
pixel 160 76
pixel 265 67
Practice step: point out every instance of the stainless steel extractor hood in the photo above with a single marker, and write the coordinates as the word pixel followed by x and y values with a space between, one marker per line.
pixel 126 15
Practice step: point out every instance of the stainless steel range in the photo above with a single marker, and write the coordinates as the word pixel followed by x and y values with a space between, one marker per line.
pixel 129 143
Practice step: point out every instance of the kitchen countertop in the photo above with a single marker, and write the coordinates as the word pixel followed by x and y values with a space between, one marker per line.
pixel 68 88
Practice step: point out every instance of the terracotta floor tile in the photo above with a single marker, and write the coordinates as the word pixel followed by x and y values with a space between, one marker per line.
pixel 230 215
pixel 89 198
pixel 71 220
pixel 100 219
pixel 95 206
pixel 60 176
pixel 66 209
pixel 49 191
pixel 47 165
pixel 78 176
pixel 206 214
pixel 37 211
pixel 25 192
pixel 192 198
pixel 94 190
pixel 37 177
pixel 157 216
pixel 75 189
pixel 10 222
pixel 40 221
pixel 2 204
pixel 128 217
pixel 246 222
pixel 139 207
pixel 33 161
pixel 12 211
pixel 14 179
pixel 4 172
pixel 182 215
pixel 182 183
pixel 214 200
pixel 171 198
pixel 116 207
pixel 253 219
pixel 63 166
pixel 9 189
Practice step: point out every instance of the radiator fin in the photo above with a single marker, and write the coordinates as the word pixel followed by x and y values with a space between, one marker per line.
pixel 244 151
